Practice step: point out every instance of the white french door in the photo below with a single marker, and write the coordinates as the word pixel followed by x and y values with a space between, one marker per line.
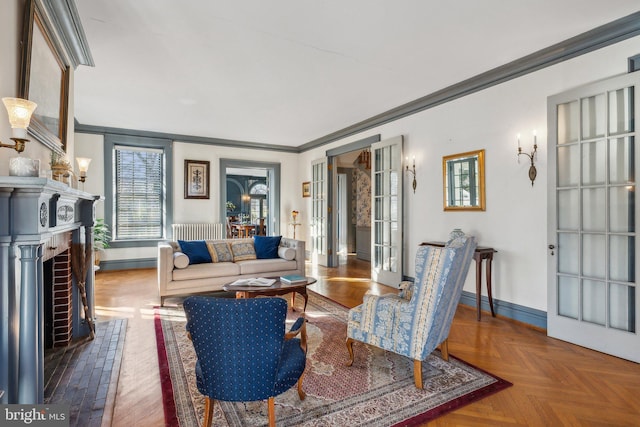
pixel 386 215
pixel 319 211
pixel 592 216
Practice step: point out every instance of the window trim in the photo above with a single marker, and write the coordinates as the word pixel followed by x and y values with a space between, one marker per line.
pixel 166 145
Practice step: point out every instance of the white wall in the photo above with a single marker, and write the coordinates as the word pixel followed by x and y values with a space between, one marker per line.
pixel 191 210
pixel 515 221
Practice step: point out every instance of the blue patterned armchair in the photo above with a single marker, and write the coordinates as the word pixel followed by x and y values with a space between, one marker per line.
pixel 417 320
pixel 243 351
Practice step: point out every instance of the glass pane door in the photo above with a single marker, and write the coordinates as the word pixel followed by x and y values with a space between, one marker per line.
pixel 386 230
pixel 319 211
pixel 592 294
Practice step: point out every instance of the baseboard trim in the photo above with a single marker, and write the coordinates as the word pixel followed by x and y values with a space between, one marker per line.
pixel 520 313
pixel 128 264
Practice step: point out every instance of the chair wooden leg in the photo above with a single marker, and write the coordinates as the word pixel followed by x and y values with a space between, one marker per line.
pixel 208 411
pixel 301 392
pixel 444 350
pixel 417 373
pixel 272 412
pixel 350 348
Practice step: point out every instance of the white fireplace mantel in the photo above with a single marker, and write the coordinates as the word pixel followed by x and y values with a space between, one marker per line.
pixel 32 210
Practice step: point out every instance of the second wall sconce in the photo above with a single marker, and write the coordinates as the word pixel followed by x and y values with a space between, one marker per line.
pixel 532 157
pixel 83 167
pixel 414 184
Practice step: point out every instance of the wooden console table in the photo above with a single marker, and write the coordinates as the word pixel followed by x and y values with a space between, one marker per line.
pixel 481 253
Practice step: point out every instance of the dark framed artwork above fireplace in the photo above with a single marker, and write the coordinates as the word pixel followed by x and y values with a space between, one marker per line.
pixel 44 79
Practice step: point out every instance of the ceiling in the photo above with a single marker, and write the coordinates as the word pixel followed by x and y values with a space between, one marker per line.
pixel 291 71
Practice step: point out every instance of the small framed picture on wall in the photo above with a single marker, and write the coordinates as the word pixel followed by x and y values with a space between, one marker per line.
pixel 196 179
pixel 306 189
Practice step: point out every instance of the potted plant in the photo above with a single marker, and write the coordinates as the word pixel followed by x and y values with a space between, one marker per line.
pixel 101 238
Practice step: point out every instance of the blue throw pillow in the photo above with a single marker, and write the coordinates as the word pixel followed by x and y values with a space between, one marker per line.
pixel 196 250
pixel 266 246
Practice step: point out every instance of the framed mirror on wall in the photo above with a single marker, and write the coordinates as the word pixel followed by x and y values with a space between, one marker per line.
pixel 463 181
pixel 44 80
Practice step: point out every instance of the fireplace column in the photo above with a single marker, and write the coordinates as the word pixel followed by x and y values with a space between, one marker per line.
pixel 31 353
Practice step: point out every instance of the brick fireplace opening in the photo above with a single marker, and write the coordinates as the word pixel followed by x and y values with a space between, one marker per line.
pixel 58 292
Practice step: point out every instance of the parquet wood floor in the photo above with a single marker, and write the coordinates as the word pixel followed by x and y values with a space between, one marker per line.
pixel 555 383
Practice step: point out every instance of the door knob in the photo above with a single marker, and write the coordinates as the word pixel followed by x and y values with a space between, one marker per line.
pixel 552 247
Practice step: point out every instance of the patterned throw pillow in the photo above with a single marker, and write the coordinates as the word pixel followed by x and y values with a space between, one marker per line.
pixel 220 252
pixel 243 251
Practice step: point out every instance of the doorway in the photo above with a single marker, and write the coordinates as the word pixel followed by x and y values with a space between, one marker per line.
pixel 250 194
pixel 353 206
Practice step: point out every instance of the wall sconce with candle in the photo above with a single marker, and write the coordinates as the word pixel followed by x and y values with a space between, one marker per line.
pixel 414 184
pixel 19 111
pixel 532 157
pixel 83 167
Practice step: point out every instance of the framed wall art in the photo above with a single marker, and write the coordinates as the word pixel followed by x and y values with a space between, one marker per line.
pixel 306 189
pixel 196 179
pixel 44 79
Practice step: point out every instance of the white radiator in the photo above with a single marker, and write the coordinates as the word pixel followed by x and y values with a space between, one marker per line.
pixel 208 231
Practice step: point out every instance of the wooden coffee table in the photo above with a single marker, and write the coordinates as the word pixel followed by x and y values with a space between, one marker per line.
pixel 278 288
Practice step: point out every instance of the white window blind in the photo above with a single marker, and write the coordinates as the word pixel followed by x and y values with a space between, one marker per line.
pixel 139 197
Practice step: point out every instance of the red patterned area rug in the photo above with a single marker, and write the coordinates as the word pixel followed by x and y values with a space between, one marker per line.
pixel 378 390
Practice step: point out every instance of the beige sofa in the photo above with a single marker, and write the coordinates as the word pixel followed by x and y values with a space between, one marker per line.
pixel 209 277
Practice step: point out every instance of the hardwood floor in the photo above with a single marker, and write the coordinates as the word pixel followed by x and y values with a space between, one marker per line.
pixel 555 383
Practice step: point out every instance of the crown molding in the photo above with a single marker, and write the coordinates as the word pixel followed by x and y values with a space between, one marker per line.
pixel 104 130
pixel 605 35
pixel 66 23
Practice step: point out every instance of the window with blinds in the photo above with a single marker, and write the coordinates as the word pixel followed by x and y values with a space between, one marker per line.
pixel 138 193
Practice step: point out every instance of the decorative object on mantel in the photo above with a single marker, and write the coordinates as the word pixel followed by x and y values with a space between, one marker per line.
pixel 60 167
pixel 24 166
pixel 414 184
pixel 80 265
pixel 532 157
pixel 19 111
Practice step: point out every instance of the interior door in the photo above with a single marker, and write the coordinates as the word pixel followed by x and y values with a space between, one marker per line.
pixel 592 291
pixel 386 215
pixel 319 211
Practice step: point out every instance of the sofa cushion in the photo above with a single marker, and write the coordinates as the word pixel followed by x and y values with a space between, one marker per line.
pixel 196 250
pixel 286 253
pixel 180 260
pixel 220 251
pixel 266 246
pixel 206 271
pixel 242 251
pixel 261 267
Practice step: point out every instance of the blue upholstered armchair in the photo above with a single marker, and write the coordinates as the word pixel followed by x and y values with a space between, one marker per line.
pixel 417 320
pixel 243 351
